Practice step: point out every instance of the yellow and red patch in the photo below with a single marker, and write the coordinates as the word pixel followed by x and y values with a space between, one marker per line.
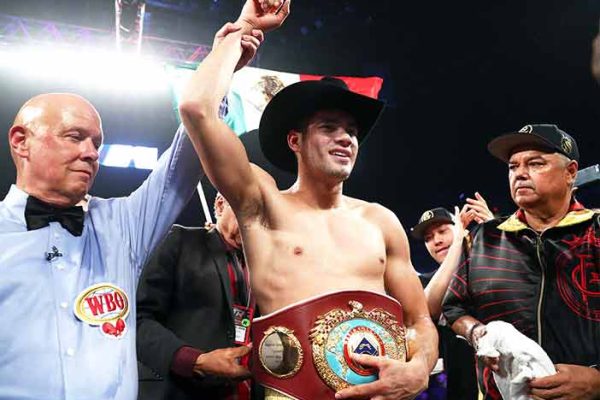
pixel 104 305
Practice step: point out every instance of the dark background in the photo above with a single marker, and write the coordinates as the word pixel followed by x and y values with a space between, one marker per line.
pixel 456 74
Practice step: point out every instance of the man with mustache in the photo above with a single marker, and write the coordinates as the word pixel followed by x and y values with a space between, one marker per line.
pixel 538 269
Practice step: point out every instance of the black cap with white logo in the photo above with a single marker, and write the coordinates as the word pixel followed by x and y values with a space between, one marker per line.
pixel 428 218
pixel 536 136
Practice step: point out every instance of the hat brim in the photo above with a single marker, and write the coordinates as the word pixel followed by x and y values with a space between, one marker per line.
pixel 503 146
pixel 418 231
pixel 300 100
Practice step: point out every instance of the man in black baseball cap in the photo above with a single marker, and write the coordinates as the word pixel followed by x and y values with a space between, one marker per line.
pixel 443 235
pixel 537 269
pixel 435 216
pixel 443 240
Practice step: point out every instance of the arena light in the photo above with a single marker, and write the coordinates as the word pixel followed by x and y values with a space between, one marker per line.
pixel 126 156
pixel 87 68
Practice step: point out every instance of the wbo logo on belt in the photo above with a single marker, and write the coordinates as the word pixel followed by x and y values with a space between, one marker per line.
pixel 327 330
pixel 339 333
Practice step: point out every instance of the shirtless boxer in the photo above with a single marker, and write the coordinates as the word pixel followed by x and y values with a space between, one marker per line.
pixel 310 239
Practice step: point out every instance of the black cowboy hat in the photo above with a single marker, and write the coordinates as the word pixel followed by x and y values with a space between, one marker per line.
pixel 300 100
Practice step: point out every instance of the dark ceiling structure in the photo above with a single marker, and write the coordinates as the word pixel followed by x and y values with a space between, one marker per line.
pixel 456 74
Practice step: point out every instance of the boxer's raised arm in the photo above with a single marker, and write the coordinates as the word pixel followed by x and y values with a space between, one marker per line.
pixel 222 154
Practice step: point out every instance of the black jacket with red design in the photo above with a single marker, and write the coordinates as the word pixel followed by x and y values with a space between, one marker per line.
pixel 546 284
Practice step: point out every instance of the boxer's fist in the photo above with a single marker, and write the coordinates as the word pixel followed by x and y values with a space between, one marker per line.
pixel 265 15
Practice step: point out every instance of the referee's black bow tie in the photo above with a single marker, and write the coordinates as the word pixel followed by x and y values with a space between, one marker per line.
pixel 39 214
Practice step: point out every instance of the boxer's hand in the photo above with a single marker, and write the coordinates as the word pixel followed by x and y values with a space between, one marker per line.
pixel 264 15
pixel 223 363
pixel 571 382
pixel 398 380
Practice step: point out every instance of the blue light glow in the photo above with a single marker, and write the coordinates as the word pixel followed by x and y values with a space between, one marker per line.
pixel 126 156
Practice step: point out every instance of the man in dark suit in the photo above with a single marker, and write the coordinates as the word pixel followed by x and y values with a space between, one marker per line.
pixel 186 300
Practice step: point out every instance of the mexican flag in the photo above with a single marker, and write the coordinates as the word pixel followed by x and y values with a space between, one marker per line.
pixel 252 88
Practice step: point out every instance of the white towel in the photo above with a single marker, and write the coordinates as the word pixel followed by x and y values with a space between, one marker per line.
pixel 520 359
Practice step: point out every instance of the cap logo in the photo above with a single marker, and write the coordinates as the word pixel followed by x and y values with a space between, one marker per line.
pixel 526 129
pixel 104 305
pixel 427 215
pixel 566 144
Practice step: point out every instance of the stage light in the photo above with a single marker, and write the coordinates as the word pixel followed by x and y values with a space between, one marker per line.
pixel 86 68
pixel 126 156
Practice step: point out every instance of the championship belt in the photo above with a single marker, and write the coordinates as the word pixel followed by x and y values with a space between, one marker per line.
pixel 303 350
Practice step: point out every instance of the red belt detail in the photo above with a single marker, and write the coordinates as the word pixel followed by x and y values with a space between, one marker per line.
pixel 306 384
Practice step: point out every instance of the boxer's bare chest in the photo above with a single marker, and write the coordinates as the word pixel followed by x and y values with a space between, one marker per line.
pixel 313 252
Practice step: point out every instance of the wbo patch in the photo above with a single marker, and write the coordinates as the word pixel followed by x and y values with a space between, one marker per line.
pixel 104 305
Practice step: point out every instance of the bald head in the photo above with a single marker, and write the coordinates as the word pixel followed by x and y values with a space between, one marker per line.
pixel 54 143
pixel 46 111
pixel 46 108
